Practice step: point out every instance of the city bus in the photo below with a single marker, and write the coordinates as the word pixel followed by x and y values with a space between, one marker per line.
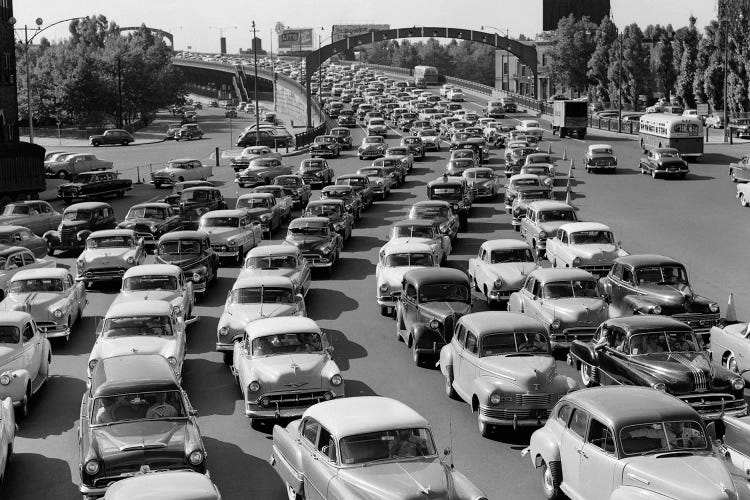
pixel 425 75
pixel 684 133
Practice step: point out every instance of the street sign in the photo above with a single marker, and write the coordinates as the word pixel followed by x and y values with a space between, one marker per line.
pixel 702 109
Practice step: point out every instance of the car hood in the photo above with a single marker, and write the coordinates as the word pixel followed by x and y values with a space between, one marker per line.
pixel 692 477
pixel 411 239
pixel 184 261
pixel 682 372
pixel 12 220
pixel 285 272
pixel 107 254
pixel 241 314
pixel 584 309
pixel 168 295
pixel 596 252
pixel 142 344
pixel 220 232
pixel 673 295
pixel 306 242
pixel 73 224
pixel 445 309
pixel 38 304
pixel 394 275
pixel 512 274
pixel 282 372
pixel 122 442
pixel 525 370
pixel 551 227
pixel 410 480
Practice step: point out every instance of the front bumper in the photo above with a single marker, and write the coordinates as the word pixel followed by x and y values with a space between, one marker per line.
pixel 374 153
pixel 222 251
pixel 323 152
pixel 287 405
pixel 94 492
pixel 516 417
pixel 499 295
pixel 249 181
pixel 102 274
pixel 164 181
pixel 53 330
pixel 315 260
pixel 563 339
pixel 225 347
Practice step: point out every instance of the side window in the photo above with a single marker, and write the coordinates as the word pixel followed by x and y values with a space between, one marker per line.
pixel 617 270
pixel 461 334
pixel 578 421
pixel 564 237
pixel 537 289
pixel 563 414
pixel 529 286
pixel 28 332
pixel 601 437
pixel 15 261
pixel 627 274
pixel 327 445
pixel 482 253
pixel 471 343
pixel 559 234
pixel 68 281
pixel 411 292
pixel 310 431
pixel 28 259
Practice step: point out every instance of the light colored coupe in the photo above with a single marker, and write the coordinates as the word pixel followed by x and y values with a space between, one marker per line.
pixel 278 260
pixel 109 254
pixel 500 268
pixel 181 170
pixel 158 282
pixel 421 231
pixel 232 232
pixel 394 260
pixel 586 245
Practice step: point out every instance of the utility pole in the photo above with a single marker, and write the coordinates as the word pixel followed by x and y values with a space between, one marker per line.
pixel 725 22
pixel 119 92
pixel 255 85
pixel 619 84
pixel 273 70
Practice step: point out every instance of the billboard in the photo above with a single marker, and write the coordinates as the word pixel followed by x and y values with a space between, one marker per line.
pixel 296 39
pixel 554 10
pixel 340 31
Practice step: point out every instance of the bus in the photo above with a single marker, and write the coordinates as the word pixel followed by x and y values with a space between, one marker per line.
pixel 661 130
pixel 425 75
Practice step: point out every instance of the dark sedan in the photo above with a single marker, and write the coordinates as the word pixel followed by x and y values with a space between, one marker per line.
pixel 665 162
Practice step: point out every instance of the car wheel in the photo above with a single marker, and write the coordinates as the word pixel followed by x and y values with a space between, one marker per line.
pixel 292 495
pixel 484 428
pixel 125 143
pixel 551 480
pixel 157 185
pixel 449 390
pixel 181 179
pixel 95 144
pixel 743 200
pixel 22 410
pixel 587 376
pixel 62 174
pixel 417 356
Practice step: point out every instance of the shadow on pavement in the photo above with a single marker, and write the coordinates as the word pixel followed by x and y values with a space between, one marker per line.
pixel 81 341
pixel 357 388
pixel 216 293
pixel 364 243
pixel 324 304
pixel 201 335
pixel 211 386
pixel 31 475
pixel 350 268
pixel 344 349
pixel 51 412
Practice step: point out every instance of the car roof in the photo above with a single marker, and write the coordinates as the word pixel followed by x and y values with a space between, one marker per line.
pixel 41 273
pixel 302 221
pixel 14 317
pixel 593 147
pixel 327 201
pixel 504 244
pixel 132 373
pixel 256 194
pixel 557 274
pixel 640 260
pixel 620 406
pixel 182 160
pixel 150 269
pixel 183 235
pixel 431 203
pixel 406 247
pixel 145 307
pixel 573 227
pixel 104 233
pixel 10 250
pixel 479 169
pixel 364 414
pixel 224 213
pixel 199 188
pixel 268 250
pixel 446 181
pixel 87 205
pixel 549 205
pixel 152 204
pixel 165 485
pixel 252 281
pixel 427 276
pixel 518 177
pixel 487 322
pixel 281 325
pixel 413 222
pixel 648 322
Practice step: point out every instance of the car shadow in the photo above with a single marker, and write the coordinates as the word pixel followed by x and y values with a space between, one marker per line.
pixel 325 304
pixel 344 350
pixel 82 338
pixel 350 268
pixel 51 413
pixel 52 474
pixel 379 217
pixel 715 158
pixel 212 388
pixel 517 439
pixel 408 185
pixel 465 246
pixel 362 244
pixel 401 195
pixel 357 388
pixel 485 211
pixel 216 294
pixel 201 335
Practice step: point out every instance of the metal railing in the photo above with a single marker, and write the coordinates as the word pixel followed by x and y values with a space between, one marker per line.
pixel 306 138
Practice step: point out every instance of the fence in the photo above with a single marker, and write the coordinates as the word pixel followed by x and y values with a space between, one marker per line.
pixel 306 138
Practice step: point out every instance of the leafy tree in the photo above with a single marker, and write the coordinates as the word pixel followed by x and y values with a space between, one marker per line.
pixel 687 64
pixel 600 61
pixel 636 70
pixel 571 52
pixel 662 54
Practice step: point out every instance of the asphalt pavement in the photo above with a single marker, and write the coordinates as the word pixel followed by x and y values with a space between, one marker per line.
pixel 696 220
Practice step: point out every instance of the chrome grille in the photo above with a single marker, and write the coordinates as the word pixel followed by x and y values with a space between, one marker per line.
pixel 571 334
pixel 68 236
pixel 292 399
pixel 597 270
pixel 511 413
pixel 311 257
pixel 713 403
pixel 50 326
pixel 102 272
pixel 539 399
pixel 700 323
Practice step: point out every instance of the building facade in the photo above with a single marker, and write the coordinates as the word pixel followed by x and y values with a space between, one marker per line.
pixel 513 76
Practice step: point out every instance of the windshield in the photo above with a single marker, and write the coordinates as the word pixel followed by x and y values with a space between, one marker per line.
pixel 138 406
pixel 451 192
pixel 412 140
pixel 151 326
pixel 146 213
pixel 324 140
pixel 287 181
pixel 645 439
pixel 532 195
pixel 336 193
pixel 180 247
pixel 459 166
pixel 408 259
pixel 569 289
pixel 656 342
pixel 312 166
pixel 253 202
pixel 536 170
pixel 220 222
pixel 309 231
pixel 429 212
pixel 36 285
pixel 396 152
pixel 109 242
pixel 286 343
pixel 199 195
pixel 9 334
pixel 371 172
pixel 386 445
pixel 525 182
pixel 515 342
pixel 539 159
pixel 480 174
pixel 414 232
pixel 320 210
pixel 661 275
pixel 258 295
pixel 75 215
pixel 151 282
pixel 351 181
pixel 272 262
pixel 592 237
pixel 16 210
pixel 668 154
pixel 444 292
pixel 512 255
pixel 557 215
pixel 373 140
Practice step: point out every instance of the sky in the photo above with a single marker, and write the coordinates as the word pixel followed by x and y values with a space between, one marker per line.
pixel 200 24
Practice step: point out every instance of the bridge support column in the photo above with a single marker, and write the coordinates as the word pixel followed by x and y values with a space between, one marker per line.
pixel 308 93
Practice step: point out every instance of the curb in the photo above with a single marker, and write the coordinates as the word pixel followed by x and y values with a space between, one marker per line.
pixel 88 145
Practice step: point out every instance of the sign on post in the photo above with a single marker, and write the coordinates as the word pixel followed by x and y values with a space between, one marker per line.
pixel 702 109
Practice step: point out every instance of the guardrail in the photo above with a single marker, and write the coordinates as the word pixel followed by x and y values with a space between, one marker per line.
pixel 306 138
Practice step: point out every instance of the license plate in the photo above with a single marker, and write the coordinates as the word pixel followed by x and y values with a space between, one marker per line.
pixel 226 254
pixel 673 170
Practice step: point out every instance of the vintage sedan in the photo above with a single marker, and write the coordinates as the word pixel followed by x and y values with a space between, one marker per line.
pixel 196 201
pixel 158 282
pixel 421 231
pixel 284 202
pixel 414 145
pixel 542 220
pixel 627 443
pixel 335 211
pixel 23 237
pixel 600 157
pixel 348 195
pixel 500 268
pixel 524 197
pixel 16 259
pixel 402 154
pixel 151 221
pixel 108 255
pixel 232 233
pixel 654 284
pixel 8 429
pixel 191 251
pixel 531 127
pixel 377 126
pixel 457 166
pixel 295 187
pixel 325 145
pixel 380 181
pixel 565 300
pixel 25 356
pixel 665 162
pixel 279 260
pixel 430 303
pixel 393 167
pixel 517 158
pixel 518 182
pixel 168 485
pixel 51 295
pixel 318 240
pixel 185 169
pixel 361 185
pixel 343 137
pixel 394 260
pixel 148 327
pixel 188 132
pixel 501 364
pixel 729 346
pixel 112 136
pixel 316 172
pixel 262 207
pixel 589 246
pixel 739 170
pixel 249 154
pixel 661 353
pixel 173 199
pixel 93 185
pixel 252 298
pixel 439 211
pixel 283 366
pixel 383 450
pixel 39 216
pixel 135 417
pixel 482 181
pixel 262 171
pixel 78 221
pixel 372 146
pixel 456 191
pixel 544 171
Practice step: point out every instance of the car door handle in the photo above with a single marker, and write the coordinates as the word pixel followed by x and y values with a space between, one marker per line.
pixel 583 454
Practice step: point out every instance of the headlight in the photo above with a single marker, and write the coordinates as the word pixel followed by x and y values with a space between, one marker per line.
pixel 656 310
pixel 196 457
pixel 384 287
pixel 57 313
pixel 659 386
pixel 152 227
pixel 231 243
pixel 495 399
pixel 92 467
pixel 172 361
pixel 738 384
pixel 555 324
pixel 197 277
pixel 713 307
pixel 177 309
pixel 577 262
pixel 498 283
pixel 434 324
pixel 542 235
pixel 5 379
pixel 326 248
pixel 223 331
pixel 254 386
pixel 92 364
pixel 130 260
pixel 379 183
pixel 336 380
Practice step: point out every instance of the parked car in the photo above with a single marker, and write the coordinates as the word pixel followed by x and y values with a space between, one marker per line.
pixel 394 260
pixel 190 251
pixel 90 185
pixel 660 353
pixel 565 300
pixel 172 130
pixel 335 211
pixel 250 299
pixel 589 246
pixel 196 201
pixel 232 233
pixel 108 255
pixel 384 447
pixel 278 260
pixel 494 362
pixel 180 484
pixel 78 221
pixel 181 170
pixel 131 397
pixel 715 121
pixel 654 284
pixel 318 240
pixel 189 131
pixel 430 303
pixel 541 222
pixel 665 162
pixel 73 164
pixel 38 216
pixel 51 295
pixel 112 136
pixel 500 268
pixel 158 282
pixel 648 436
pixel 8 429
pixel 23 237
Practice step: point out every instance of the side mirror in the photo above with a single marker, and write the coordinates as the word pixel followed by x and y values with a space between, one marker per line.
pixel 193 412
pixel 711 429
pixel 299 297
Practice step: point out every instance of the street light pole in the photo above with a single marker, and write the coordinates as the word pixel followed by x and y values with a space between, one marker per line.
pixel 273 71
pixel 726 70
pixel 255 83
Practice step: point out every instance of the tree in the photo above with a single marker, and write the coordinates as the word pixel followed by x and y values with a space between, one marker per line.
pixel 662 55
pixel 600 62
pixel 571 53
pixel 636 58
pixel 687 64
